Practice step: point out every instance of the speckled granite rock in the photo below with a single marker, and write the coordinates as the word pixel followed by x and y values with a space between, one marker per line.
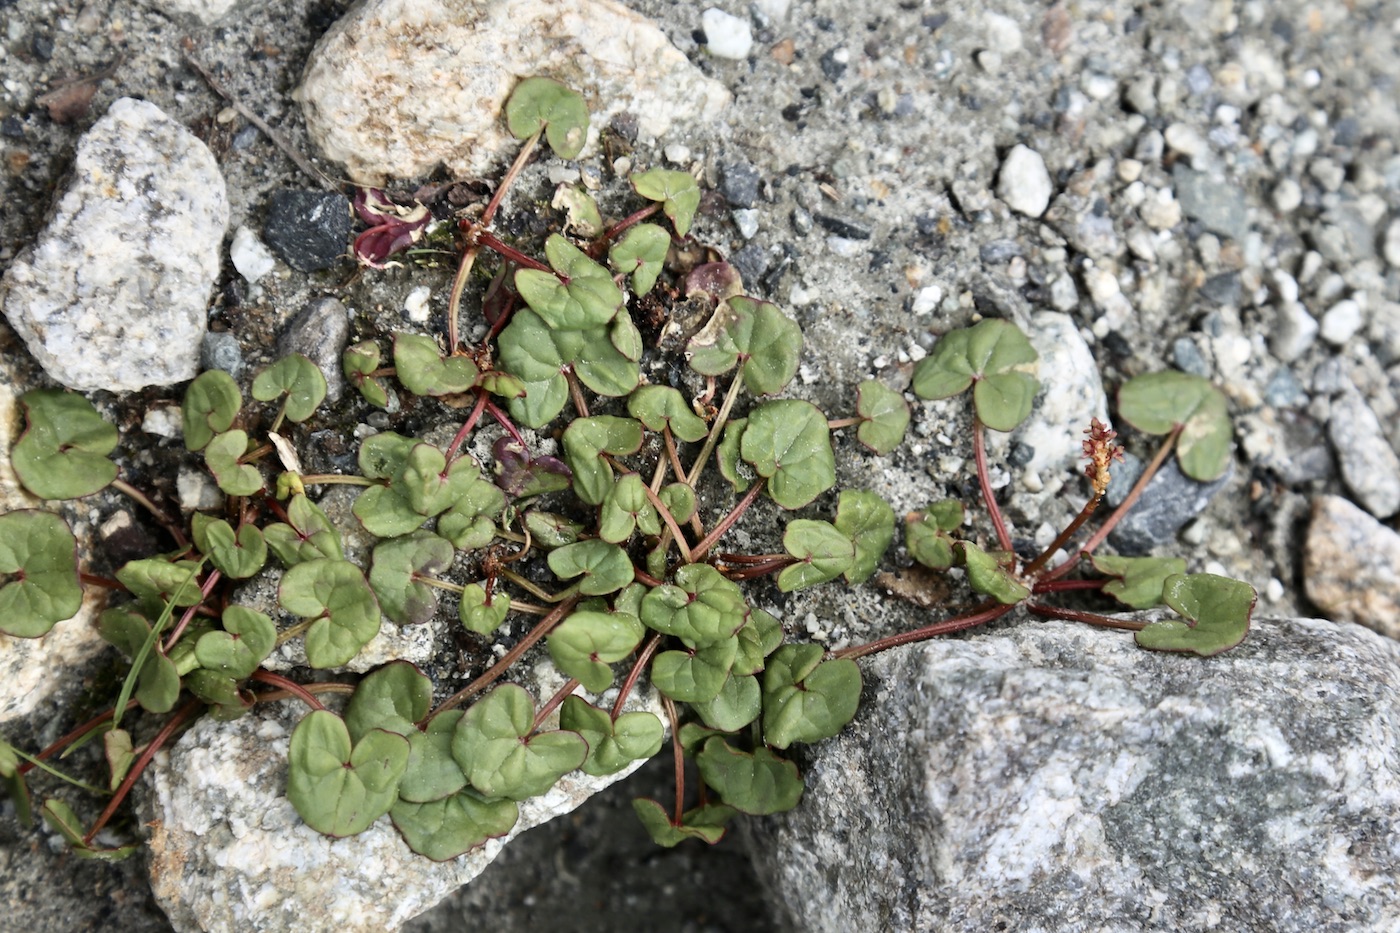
pixel 1071 394
pixel 227 851
pixel 113 293
pixel 397 87
pixel 1351 565
pixel 1051 777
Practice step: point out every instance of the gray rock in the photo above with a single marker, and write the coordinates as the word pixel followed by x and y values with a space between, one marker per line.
pixel 738 182
pixel 1071 393
pixel 308 230
pixel 1294 331
pixel 1052 777
pixel 1370 467
pixel 205 11
pixel 113 293
pixel 1169 501
pixel 1186 356
pixel 228 852
pixel 320 332
pixel 1351 566
pixel 1218 204
pixel 221 350
pixel 1024 182
pixel 437 73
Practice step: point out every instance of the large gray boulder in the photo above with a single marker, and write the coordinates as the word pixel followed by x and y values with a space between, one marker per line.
pixel 1051 777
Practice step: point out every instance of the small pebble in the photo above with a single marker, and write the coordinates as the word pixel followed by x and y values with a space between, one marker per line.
pixel 416 305
pixel 927 299
pixel 746 221
pixel 1024 182
pixel 726 35
pixel 1185 140
pixel 250 256
pixel 1341 322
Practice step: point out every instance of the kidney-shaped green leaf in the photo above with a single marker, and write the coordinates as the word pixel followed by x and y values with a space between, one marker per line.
pixel 39 570
pixel 494 746
pixel 756 333
pixel 702 607
pixel 789 442
pixel 296 377
pixel 884 416
pixel 423 370
pixel 579 295
pixel 1157 402
pixel 1216 609
pixel 306 535
pixel 395 571
pixel 433 773
pixel 987 575
pixel 806 699
pixel 823 553
pixel 585 643
pixel 868 521
pixel 605 568
pixel 640 253
pixel 544 104
pixel 336 596
pixel 63 451
pixel 239 554
pixel 759 783
pixel 337 787
pixel 221 455
pixel 705 823
pixel 158 684
pixel 660 407
pixel 1139 580
pixel 211 403
pixel 245 642
pixel 392 697
pixel 994 354
pixel 479 614
pixel 696 675
pixel 737 704
pixel 677 191
pixel 454 825
pixel 612 744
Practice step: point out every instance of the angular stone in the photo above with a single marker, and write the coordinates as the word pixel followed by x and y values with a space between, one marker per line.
pixel 1351 566
pixel 1169 501
pixel 1219 205
pixel 227 851
pixel 113 294
pixel 309 230
pixel 1370 467
pixel 320 333
pixel 1048 776
pixel 1071 394
pixel 397 87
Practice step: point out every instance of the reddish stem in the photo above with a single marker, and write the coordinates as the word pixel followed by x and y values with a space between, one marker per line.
pixel 1064 536
pixel 210 582
pixel 291 686
pixel 707 542
pixel 104 582
pixel 467 426
pixel 638 666
pixel 541 629
pixel 183 714
pixel 679 755
pixel 980 616
pixel 504 421
pixel 1064 586
pixel 560 696
pixel 596 247
pixel 489 240
pixel 73 736
pixel 1092 618
pixel 984 478
pixel 763 569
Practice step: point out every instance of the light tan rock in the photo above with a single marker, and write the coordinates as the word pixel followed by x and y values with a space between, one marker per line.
pixel 1351 566
pixel 398 86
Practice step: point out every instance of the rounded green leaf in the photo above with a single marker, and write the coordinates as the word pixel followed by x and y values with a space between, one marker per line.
pixel 679 499
pixel 823 553
pixel 806 699
pixel 433 774
pixel 386 513
pixel 705 823
pixel 701 607
pixel 694 676
pixel 470 523
pixel 444 829
pixel 597 360
pixel 544 104
pixel 884 416
pixel 760 637
pixel 581 210
pixel 985 574
pixel 789 442
pixel 307 535
pixel 758 784
pixel 160 581
pixel 395 569
pixel 423 370
pixel 585 439
pixel 296 377
pixel 755 333
pixel 677 191
pixel 551 530
pixel 527 349
pixel 579 295
pixel 226 701
pixel 245 642
pixel 1158 402
pixel 1139 580
pixel 221 456
pixel 338 788
pixel 542 401
pixel 238 555
pixel 1217 611
pixel 660 407
pixel 727 453
pixel 612 745
pixel 333 593
pixel 429 483
pixel 479 614
pixel 737 704
pixel 998 357
pixel 605 568
pixel 868 521
pixel 211 403
pixel 63 451
pixel 585 643
pixel 1003 401
pixel 494 746
pixel 158 684
pixel 625 508
pixel 640 253
pixel 384 454
pixel 39 573
pixel 392 697
pixel 357 362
